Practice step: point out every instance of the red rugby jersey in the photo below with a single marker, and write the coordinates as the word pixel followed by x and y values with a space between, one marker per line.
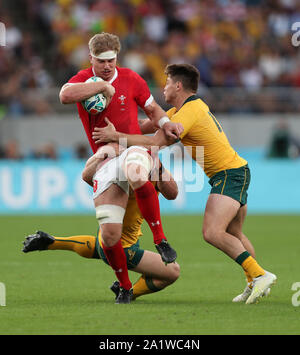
pixel 131 91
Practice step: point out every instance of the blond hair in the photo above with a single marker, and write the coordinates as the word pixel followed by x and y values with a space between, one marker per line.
pixel 103 42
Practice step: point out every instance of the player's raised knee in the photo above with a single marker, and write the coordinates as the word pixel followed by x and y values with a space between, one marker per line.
pixel 137 166
pixel 109 236
pixel 173 273
pixel 208 234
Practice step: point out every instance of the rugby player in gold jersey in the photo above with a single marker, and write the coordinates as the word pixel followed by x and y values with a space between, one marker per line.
pixel 229 174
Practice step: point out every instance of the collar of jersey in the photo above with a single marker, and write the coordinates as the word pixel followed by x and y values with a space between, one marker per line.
pixel 112 79
pixel 191 98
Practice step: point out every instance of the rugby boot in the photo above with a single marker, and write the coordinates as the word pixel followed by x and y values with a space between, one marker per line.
pixel 246 293
pixel 125 296
pixel 115 287
pixel 168 254
pixel 260 286
pixel 38 241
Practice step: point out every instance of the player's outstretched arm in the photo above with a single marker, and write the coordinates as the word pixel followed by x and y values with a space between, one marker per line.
pixel 90 169
pixel 147 126
pixel 94 163
pixel 109 134
pixel 166 184
pixel 71 93
pixel 160 119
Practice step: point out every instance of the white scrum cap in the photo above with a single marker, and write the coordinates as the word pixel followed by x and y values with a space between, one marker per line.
pixel 105 55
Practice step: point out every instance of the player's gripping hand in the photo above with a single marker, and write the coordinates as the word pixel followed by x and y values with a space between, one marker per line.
pixel 105 134
pixel 173 130
pixel 109 150
pixel 109 92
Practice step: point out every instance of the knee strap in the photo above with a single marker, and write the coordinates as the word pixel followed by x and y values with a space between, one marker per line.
pixel 110 214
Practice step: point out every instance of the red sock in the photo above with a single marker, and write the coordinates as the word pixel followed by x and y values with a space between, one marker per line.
pixel 117 260
pixel 147 200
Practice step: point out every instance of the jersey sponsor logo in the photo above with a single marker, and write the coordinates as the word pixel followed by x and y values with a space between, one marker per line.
pixel 131 254
pixel 122 102
pixel 217 183
pixel 153 224
pixel 122 99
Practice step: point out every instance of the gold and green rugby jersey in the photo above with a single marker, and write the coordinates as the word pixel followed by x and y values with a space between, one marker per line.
pixel 201 129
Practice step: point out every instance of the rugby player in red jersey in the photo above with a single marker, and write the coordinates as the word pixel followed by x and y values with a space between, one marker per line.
pixel 125 91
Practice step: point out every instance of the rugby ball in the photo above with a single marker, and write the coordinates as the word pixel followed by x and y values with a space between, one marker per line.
pixel 96 103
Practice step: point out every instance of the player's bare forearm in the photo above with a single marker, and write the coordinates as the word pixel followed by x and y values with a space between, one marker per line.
pixel 94 163
pixel 109 134
pixel 136 139
pixel 71 93
pixel 160 119
pixel 155 113
pixel 90 169
pixel 167 185
pixel 127 140
pixel 147 126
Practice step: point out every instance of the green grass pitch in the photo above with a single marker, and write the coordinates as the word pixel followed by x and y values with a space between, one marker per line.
pixel 59 292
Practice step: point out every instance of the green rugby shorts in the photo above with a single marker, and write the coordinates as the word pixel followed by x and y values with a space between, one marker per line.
pixel 233 183
pixel 133 254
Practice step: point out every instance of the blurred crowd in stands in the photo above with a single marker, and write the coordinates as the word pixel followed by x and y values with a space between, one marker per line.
pixel 234 43
pixel 49 151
